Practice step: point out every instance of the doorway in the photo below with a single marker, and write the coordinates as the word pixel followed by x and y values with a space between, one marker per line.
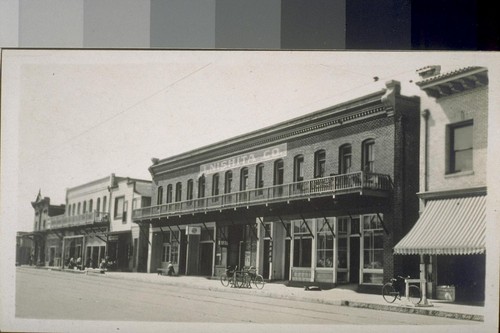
pixel 354 259
pixel 286 275
pixel 206 254
pixel 267 253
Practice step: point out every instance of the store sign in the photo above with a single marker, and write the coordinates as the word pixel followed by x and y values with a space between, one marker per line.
pixel 239 161
pixel 193 231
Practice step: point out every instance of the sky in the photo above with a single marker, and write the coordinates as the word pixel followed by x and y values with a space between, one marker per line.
pixel 73 116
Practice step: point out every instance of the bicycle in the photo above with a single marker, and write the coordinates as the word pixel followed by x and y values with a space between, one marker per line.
pixel 229 276
pixel 391 291
pixel 252 277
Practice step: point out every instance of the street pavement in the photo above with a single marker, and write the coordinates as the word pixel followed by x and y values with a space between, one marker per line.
pixel 341 296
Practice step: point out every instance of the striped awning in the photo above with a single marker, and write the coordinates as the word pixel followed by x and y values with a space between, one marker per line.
pixel 449 227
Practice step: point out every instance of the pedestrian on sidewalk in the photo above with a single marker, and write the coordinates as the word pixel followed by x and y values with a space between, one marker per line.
pixel 170 269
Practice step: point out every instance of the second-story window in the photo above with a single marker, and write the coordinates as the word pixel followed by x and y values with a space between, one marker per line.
pixel 201 187
pixel 169 193
pixel 278 172
pixel 189 191
pixel 78 211
pixel 104 205
pixel 368 158
pixel 215 184
pixel 159 195
pixel 460 147
pixel 319 164
pixel 119 207
pixel 259 176
pixel 244 179
pixel 345 159
pixel 84 207
pixel 228 181
pixel 298 168
pixel 98 204
pixel 178 192
pixel 91 203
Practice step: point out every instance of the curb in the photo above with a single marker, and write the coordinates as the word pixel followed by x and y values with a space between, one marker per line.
pixel 413 310
pixel 337 302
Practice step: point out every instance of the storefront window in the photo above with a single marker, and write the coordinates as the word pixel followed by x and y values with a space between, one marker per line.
pixel 170 247
pixel 302 243
pixel 325 244
pixel 373 249
pixel 221 248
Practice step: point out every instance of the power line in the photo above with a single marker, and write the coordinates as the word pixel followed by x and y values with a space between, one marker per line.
pixel 122 112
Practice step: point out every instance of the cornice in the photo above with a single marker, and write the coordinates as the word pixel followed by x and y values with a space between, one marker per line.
pixel 453 193
pixel 454 82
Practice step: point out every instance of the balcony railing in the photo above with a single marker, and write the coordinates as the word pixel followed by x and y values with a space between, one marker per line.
pixel 338 184
pixel 64 221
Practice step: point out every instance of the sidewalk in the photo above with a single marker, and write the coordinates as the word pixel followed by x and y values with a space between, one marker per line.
pixel 340 296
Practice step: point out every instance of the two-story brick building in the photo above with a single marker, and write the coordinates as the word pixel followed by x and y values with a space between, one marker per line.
pixel 450 233
pixel 94 224
pixel 322 198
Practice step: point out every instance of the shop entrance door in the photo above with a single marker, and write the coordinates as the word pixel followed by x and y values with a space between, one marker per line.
pixel 354 260
pixel 286 275
pixel 52 254
pixel 206 255
pixel 267 253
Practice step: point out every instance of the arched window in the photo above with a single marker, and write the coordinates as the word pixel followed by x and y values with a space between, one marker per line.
pixel 178 192
pixel 201 187
pixel 159 195
pixel 228 181
pixel 78 211
pixel 243 179
pixel 169 193
pixel 319 164
pixel 189 194
pixel 91 203
pixel 98 204
pixel 259 176
pixel 215 184
pixel 345 159
pixel 298 168
pixel 84 207
pixel 279 174
pixel 104 205
pixel 368 157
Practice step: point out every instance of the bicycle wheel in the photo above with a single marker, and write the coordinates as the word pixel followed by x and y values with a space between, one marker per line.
pixel 258 281
pixel 415 295
pixel 238 280
pixel 224 280
pixel 389 293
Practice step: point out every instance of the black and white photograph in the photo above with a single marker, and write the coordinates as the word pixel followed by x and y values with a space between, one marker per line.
pixel 249 190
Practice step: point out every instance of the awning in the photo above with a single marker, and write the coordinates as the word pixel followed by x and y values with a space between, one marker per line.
pixel 448 226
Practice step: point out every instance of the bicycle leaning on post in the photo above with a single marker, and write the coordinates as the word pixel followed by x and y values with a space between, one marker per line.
pixel 392 290
pixel 251 277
